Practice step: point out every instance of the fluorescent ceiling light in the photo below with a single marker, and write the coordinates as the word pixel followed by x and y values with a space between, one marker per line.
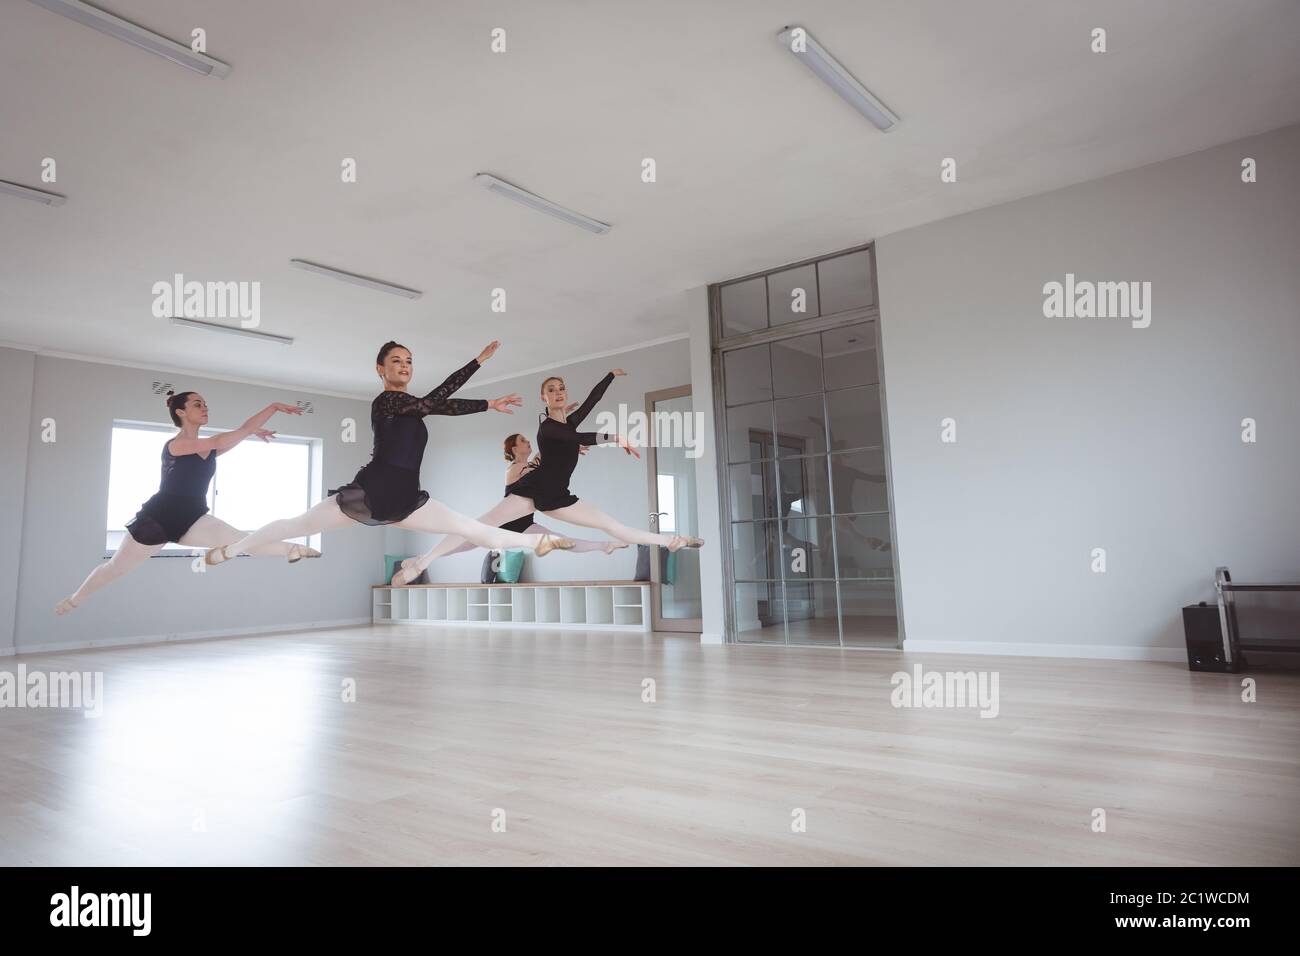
pixel 356 279
pixel 231 330
pixel 115 26
pixel 36 195
pixel 814 56
pixel 524 197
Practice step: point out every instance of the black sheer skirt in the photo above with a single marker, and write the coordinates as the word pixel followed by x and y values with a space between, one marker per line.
pixel 544 499
pixel 381 494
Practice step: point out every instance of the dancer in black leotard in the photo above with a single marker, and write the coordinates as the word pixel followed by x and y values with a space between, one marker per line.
pixel 387 490
pixel 178 512
pixel 517 449
pixel 546 488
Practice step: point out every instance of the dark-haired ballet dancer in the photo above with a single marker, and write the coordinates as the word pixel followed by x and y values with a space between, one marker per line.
pixel 387 489
pixel 178 512
pixel 517 450
pixel 546 487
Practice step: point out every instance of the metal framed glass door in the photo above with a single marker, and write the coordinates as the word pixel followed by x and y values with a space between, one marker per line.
pixel 804 456
pixel 674 509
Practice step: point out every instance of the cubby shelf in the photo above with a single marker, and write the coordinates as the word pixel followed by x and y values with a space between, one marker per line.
pixel 588 605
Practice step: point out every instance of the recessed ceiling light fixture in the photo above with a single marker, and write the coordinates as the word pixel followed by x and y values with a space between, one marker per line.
pixel 533 201
pixel 137 36
pixel 35 195
pixel 798 41
pixel 355 279
pixel 231 330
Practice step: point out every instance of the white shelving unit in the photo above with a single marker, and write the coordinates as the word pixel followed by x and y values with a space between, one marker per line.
pixel 589 605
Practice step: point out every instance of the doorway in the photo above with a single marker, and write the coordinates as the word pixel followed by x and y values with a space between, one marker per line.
pixel 674 509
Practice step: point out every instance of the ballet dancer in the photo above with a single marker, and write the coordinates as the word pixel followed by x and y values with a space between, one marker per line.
pixel 387 488
pixel 546 487
pixel 178 512
pixel 517 451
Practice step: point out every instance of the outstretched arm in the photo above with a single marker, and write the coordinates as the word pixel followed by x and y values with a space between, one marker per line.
pixel 596 395
pixel 228 440
pixel 440 402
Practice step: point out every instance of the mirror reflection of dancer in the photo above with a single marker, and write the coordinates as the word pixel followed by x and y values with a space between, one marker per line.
pixel 387 489
pixel 517 451
pixel 546 487
pixel 178 512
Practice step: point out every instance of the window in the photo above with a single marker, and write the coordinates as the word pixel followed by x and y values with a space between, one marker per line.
pixel 668 504
pixel 256 482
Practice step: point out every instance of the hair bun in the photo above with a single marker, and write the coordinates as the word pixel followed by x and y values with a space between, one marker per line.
pixel 171 393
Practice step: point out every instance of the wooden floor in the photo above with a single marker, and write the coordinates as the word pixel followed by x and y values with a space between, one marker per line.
pixel 241 751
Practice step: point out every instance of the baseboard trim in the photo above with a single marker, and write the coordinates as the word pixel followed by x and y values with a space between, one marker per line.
pixel 187 637
pixel 1109 652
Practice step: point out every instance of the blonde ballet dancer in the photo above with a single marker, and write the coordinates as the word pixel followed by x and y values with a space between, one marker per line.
pixel 546 487
pixel 518 450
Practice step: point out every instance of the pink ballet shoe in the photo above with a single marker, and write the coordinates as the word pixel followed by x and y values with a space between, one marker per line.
pixel 549 544
pixel 65 606
pixel 680 541
pixel 299 551
pixel 408 572
pixel 216 556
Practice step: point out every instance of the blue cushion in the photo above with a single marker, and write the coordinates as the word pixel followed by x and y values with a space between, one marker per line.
pixel 512 563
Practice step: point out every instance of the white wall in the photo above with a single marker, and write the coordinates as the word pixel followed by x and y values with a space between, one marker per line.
pixel 1075 434
pixel 464 467
pixel 64 510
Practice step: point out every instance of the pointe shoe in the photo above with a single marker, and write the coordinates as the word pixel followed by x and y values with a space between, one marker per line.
pixel 550 544
pixel 216 556
pixel 612 546
pixel 64 606
pixel 680 541
pixel 407 573
pixel 300 551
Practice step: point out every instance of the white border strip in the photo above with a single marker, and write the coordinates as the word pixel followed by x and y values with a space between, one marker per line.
pixel 112 642
pixel 1110 652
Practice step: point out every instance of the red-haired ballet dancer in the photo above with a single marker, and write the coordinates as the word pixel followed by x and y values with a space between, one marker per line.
pixel 546 487
pixel 518 450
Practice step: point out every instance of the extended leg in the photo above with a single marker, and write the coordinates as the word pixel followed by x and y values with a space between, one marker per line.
pixel 326 516
pixel 507 509
pixel 212 532
pixel 436 518
pixel 591 517
pixel 580 544
pixel 130 555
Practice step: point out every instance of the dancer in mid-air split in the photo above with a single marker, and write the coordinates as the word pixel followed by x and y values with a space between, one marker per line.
pixel 546 487
pixel 178 512
pixel 517 451
pixel 387 489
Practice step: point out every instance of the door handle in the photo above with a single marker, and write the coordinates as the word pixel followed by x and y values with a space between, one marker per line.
pixel 654 518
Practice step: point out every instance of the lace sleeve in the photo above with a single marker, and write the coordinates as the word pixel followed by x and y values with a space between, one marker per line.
pixel 596 394
pixel 437 402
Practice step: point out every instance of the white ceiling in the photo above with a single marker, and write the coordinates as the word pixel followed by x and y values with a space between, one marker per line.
pixel 758 162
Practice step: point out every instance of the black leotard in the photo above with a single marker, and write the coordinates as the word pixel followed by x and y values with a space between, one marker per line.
pixel 558 442
pixel 520 525
pixel 181 500
pixel 387 488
